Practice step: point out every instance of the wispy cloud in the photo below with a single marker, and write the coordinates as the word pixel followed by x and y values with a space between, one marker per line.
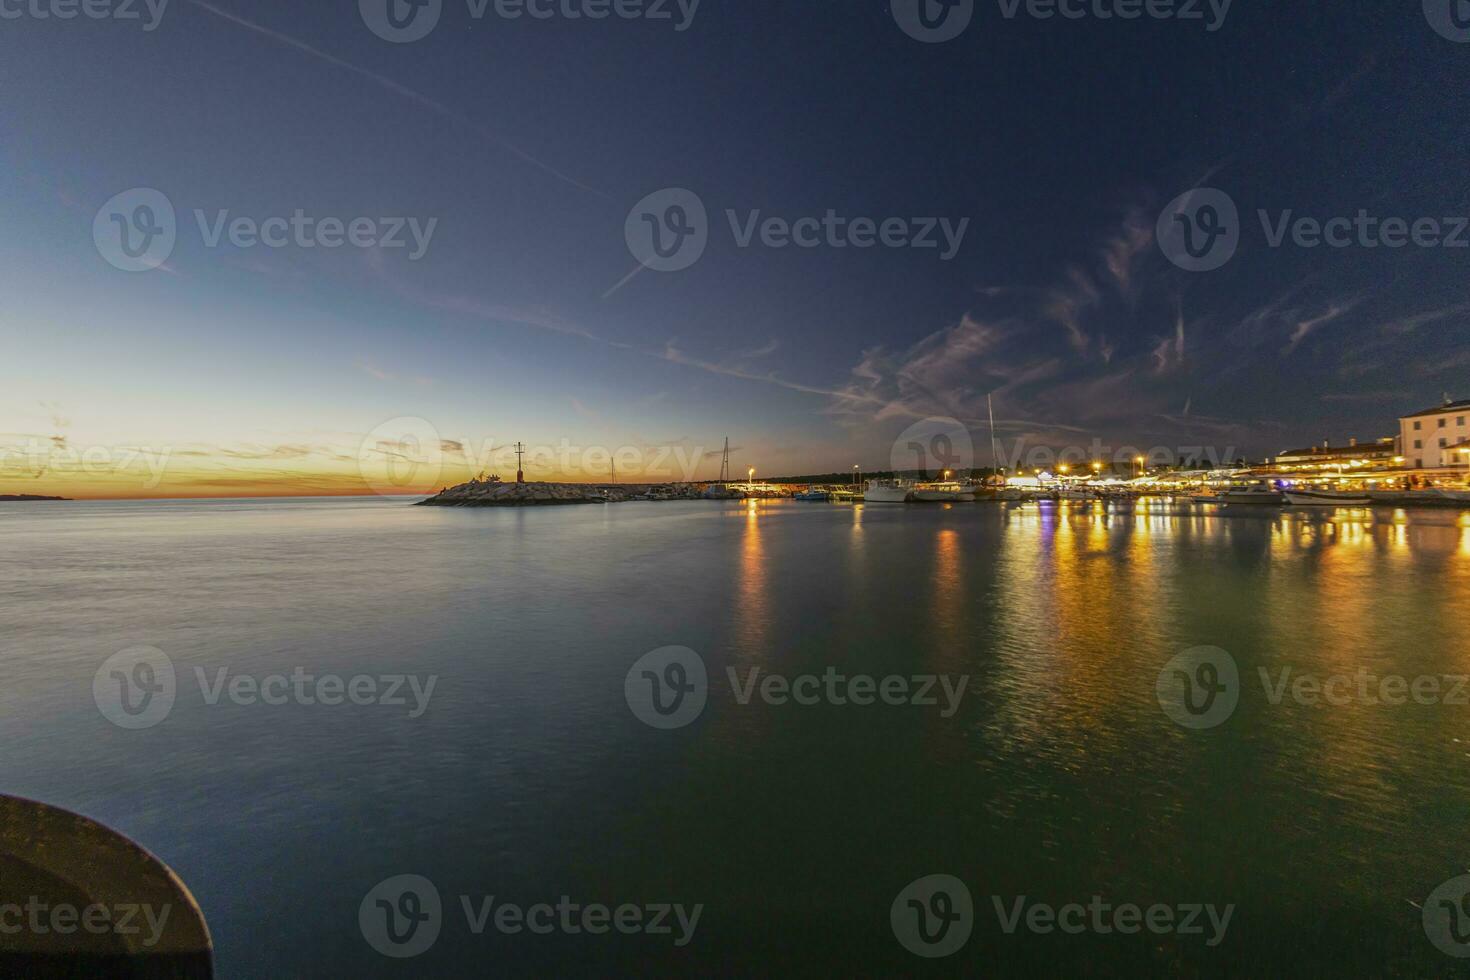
pixel 1305 327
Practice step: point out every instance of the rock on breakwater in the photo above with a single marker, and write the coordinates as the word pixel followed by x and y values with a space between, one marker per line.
pixel 485 494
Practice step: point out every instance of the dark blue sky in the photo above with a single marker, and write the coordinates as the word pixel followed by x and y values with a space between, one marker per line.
pixel 530 141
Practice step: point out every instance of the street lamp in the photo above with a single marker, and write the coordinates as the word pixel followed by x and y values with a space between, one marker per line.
pixel 750 477
pixel 1142 466
pixel 856 474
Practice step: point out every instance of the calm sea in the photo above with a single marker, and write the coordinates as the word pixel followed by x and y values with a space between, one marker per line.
pixel 1058 776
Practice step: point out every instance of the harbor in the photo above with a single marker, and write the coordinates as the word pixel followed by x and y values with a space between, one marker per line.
pixel 1408 470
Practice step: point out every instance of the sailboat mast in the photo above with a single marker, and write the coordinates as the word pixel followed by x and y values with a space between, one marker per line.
pixel 994 446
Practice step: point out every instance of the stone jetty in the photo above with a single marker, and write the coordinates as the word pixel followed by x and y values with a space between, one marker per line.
pixel 494 494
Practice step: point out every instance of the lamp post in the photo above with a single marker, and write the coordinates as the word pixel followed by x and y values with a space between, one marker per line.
pixel 750 478
pixel 1142 466
pixel 856 475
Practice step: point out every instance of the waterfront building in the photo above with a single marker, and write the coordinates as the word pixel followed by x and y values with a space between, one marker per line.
pixel 1430 437
pixel 1352 458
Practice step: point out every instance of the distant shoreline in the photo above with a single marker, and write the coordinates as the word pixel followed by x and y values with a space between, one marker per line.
pixel 14 497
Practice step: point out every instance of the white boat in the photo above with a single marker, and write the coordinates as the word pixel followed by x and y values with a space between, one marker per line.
pixel 943 493
pixel 1326 498
pixel 1207 498
pixel 888 492
pixel 1071 494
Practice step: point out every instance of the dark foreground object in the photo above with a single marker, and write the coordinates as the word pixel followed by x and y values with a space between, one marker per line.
pixel 79 900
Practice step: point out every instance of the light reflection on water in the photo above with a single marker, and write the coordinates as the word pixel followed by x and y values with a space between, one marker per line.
pixel 1059 777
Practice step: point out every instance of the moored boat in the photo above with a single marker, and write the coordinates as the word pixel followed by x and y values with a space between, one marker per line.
pixel 814 495
pixel 1261 493
pixel 888 492
pixel 1326 498
pixel 943 493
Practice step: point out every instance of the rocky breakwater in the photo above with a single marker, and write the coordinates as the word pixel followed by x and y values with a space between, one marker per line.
pixel 492 494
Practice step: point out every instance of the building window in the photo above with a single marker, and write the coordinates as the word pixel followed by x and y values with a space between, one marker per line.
pixel 1418 443
pixel 1418 426
pixel 1442 423
pixel 1441 444
pixel 1460 420
pixel 1418 464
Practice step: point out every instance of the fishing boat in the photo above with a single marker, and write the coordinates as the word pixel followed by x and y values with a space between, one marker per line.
pixel 814 495
pixel 947 492
pixel 1326 498
pixel 888 492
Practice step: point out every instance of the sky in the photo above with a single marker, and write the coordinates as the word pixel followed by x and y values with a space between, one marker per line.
pixel 505 176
